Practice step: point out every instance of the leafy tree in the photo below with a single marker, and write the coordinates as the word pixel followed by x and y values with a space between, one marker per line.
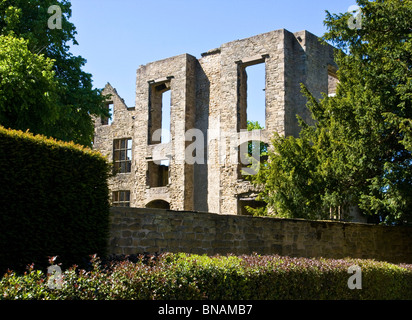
pixel 27 87
pixel 358 153
pixel 73 97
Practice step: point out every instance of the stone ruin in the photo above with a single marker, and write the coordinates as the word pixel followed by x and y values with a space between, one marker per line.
pixel 198 168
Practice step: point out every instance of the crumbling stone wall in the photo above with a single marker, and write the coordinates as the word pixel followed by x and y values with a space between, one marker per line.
pixel 179 73
pixel 209 94
pixel 122 126
pixel 137 230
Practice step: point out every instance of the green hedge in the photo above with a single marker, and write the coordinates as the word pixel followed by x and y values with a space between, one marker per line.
pixel 53 201
pixel 194 277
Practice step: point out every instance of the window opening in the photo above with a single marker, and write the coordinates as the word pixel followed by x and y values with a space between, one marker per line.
pixel 245 204
pixel 251 92
pixel 121 198
pixel 252 154
pixel 158 174
pixel 122 155
pixel 108 120
pixel 166 109
pixel 159 112
pixel 256 94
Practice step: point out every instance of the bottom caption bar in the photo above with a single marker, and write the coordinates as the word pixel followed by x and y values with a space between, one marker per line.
pixel 206 309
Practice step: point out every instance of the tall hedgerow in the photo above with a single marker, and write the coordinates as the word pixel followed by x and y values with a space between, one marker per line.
pixel 53 201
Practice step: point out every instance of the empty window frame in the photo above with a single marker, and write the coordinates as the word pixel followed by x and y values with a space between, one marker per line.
pixel 121 198
pixel 251 154
pixel 159 111
pixel 252 91
pixel 122 155
pixel 108 120
pixel 157 174
pixel 251 203
pixel 166 110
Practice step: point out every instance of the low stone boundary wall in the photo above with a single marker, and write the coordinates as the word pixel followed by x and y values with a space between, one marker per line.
pixel 138 230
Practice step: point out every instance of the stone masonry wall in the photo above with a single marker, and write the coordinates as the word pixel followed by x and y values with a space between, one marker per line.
pixel 135 230
pixel 122 126
pixel 180 70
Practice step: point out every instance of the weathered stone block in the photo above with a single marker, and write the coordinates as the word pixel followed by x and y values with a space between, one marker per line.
pixel 135 226
pixel 161 243
pixel 124 242
pixel 164 227
pixel 126 234
pixel 229 236
pixel 148 243
pixel 150 227
pixel 222 244
pixel 154 235
pixel 189 236
pixel 172 235
pixel 139 235
pixel 198 229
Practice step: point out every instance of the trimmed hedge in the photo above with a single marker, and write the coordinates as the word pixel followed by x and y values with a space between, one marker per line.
pixel 194 277
pixel 53 201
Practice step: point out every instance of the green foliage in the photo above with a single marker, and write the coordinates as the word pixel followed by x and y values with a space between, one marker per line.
pixel 289 181
pixel 54 201
pixel 255 163
pixel 255 125
pixel 71 100
pixel 27 87
pixel 194 277
pixel 358 153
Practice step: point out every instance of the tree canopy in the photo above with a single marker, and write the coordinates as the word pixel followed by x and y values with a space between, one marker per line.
pixel 61 98
pixel 27 87
pixel 358 152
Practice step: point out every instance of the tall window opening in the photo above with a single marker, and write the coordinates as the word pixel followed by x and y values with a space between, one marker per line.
pixel 252 92
pixel 122 155
pixel 256 95
pixel 159 111
pixel 158 174
pixel 108 120
pixel 166 109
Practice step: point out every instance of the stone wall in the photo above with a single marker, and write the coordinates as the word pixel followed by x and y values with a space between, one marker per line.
pixel 122 126
pixel 135 230
pixel 179 73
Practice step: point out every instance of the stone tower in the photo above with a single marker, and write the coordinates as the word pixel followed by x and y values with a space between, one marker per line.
pixel 198 168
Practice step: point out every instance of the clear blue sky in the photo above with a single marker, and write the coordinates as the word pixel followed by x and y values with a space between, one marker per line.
pixel 116 37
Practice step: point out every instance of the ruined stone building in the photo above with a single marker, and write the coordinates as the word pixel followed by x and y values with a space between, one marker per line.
pixel 208 105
